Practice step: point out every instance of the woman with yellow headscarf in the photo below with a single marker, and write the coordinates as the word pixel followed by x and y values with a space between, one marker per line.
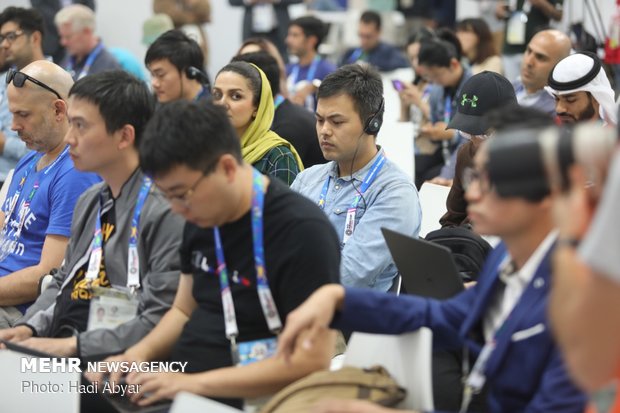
pixel 245 92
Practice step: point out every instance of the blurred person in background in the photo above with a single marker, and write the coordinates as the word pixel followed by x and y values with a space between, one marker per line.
pixel 266 18
pixel 477 44
pixel 48 9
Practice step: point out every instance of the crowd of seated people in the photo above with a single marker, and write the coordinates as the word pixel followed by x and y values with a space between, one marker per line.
pixel 235 224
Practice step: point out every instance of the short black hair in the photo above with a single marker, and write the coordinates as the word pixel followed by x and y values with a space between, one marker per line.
pixel 194 134
pixel 421 35
pixel 515 116
pixel 373 17
pixel 267 64
pixel 362 83
pixel 450 36
pixel 311 26
pixel 251 75
pixel 28 20
pixel 122 99
pixel 175 46
pixel 435 52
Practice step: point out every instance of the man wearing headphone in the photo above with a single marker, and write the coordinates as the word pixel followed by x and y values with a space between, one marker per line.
pixel 360 190
pixel 175 62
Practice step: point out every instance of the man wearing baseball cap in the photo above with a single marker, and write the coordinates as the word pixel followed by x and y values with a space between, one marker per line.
pixel 480 94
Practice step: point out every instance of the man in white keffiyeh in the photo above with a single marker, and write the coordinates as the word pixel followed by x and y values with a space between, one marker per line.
pixel 581 89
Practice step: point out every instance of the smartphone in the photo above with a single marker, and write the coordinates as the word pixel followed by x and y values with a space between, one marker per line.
pixel 398 85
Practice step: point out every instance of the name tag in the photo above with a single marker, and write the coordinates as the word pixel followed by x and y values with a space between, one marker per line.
pixel 111 307
pixel 252 351
pixel 515 32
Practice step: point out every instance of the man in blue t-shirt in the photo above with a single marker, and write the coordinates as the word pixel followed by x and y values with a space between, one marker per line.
pixel 35 218
pixel 305 34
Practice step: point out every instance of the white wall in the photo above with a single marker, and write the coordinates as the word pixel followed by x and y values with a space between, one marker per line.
pixel 120 23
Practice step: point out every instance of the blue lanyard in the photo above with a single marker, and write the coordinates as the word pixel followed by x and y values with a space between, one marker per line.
pixel 311 70
pixel 133 262
pixel 32 192
pixel 447 109
pixel 356 55
pixel 262 284
pixel 20 188
pixel 351 212
pixel 278 101
pixel 89 61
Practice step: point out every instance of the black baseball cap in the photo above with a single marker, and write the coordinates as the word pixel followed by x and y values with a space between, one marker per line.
pixel 480 94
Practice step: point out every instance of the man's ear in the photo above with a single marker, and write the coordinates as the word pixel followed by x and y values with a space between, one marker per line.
pixel 127 136
pixel 60 109
pixel 229 165
pixel 37 37
pixel 454 63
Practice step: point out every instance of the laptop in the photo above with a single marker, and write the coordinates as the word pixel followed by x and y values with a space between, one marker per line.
pixel 69 396
pixel 427 269
pixel 27 390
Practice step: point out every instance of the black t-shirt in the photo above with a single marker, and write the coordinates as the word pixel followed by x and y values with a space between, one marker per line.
pixel 536 21
pixel 73 304
pixel 298 126
pixel 301 254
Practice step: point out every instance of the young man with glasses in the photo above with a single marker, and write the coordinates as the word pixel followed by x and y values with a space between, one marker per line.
pixel 502 320
pixel 252 251
pixel 35 218
pixel 108 113
pixel 21 37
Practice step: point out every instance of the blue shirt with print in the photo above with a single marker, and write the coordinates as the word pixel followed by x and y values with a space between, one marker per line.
pixel 50 211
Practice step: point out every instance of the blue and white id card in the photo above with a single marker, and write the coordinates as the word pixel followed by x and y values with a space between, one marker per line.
pixel 257 350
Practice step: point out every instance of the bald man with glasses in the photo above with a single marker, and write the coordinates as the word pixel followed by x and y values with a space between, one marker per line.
pixel 35 218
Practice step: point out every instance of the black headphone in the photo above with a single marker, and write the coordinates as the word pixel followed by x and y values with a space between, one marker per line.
pixel 194 73
pixel 373 123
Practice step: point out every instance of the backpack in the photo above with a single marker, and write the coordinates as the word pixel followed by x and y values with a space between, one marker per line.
pixel 373 384
pixel 469 249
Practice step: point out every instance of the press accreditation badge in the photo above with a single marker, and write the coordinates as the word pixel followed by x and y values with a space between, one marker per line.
pixel 515 31
pixel 252 351
pixel 477 378
pixel 111 307
pixel 263 18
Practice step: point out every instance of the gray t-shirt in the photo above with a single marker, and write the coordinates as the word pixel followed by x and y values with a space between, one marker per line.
pixel 601 247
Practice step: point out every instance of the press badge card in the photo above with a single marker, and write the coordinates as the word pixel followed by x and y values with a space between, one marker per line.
pixel 515 33
pixel 110 308
pixel 257 350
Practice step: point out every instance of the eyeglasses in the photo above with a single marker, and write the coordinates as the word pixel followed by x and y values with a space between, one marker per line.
pixel 184 198
pixel 20 78
pixel 11 36
pixel 471 175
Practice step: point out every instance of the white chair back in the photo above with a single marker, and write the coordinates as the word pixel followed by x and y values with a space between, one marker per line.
pixel 396 138
pixel 5 186
pixel 25 391
pixel 433 204
pixel 190 403
pixel 407 357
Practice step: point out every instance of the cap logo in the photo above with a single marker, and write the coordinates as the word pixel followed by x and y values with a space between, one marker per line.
pixel 472 102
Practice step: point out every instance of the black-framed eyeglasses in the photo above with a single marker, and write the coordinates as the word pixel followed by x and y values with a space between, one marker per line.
pixel 20 78
pixel 184 198
pixel 471 175
pixel 11 36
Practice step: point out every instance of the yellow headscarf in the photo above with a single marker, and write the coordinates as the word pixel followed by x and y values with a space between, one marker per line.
pixel 258 139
